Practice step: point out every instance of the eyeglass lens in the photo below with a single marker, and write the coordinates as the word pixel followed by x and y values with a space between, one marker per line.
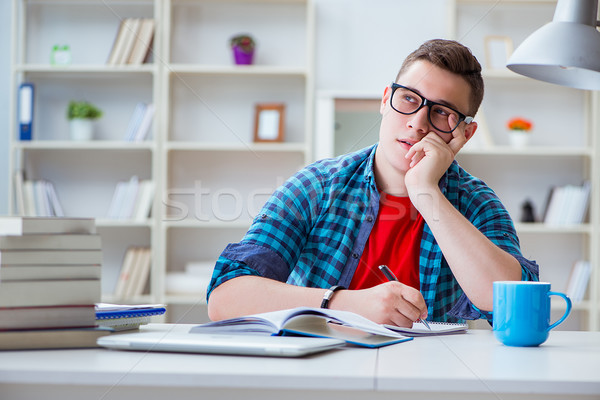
pixel 405 101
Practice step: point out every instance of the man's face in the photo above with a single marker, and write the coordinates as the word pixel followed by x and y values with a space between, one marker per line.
pixel 398 132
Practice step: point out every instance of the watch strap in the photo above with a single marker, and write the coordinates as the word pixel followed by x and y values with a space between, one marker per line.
pixel 329 294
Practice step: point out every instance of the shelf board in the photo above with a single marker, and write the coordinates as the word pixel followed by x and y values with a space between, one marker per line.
pixel 84 68
pixel 542 151
pixel 120 223
pixel 540 227
pixel 203 146
pixel 269 70
pixel 88 145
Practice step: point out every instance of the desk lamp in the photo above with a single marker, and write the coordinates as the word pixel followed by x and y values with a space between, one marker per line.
pixel 565 51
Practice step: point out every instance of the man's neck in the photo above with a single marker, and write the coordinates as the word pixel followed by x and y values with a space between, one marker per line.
pixel 388 180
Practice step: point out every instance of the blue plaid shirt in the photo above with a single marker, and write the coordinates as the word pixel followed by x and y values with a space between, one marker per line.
pixel 313 230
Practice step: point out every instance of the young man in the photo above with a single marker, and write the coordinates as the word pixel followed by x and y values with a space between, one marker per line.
pixel 403 202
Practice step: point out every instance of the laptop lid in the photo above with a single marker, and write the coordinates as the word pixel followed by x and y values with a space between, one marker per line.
pixel 282 346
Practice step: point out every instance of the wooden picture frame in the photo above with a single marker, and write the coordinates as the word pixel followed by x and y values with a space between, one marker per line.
pixel 498 50
pixel 269 122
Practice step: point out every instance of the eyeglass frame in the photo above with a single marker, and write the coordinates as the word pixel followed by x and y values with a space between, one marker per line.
pixel 429 103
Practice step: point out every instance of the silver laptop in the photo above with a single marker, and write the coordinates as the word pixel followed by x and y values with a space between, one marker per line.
pixel 281 346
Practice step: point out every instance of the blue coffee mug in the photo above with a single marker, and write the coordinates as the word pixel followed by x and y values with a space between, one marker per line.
pixel 521 314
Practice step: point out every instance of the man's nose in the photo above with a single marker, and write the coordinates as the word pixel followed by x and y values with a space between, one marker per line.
pixel 420 120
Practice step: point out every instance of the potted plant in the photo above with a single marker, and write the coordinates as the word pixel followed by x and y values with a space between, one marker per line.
pixel 81 115
pixel 243 48
pixel 519 131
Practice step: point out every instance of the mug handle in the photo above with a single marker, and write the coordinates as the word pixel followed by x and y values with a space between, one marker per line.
pixel 568 310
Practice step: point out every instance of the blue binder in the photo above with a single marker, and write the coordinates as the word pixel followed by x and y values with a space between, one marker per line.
pixel 25 111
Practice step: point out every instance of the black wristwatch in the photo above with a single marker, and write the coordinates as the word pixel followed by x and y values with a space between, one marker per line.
pixel 329 294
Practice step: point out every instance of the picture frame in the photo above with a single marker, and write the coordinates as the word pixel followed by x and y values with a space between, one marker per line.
pixel 269 122
pixel 498 50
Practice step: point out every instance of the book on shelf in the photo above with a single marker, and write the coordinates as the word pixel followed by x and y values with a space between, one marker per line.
pixel 124 317
pixel 567 204
pixel 307 321
pixel 36 198
pixel 118 43
pixel 578 280
pixel 73 338
pixel 134 273
pixel 132 42
pixel 140 122
pixel 142 42
pixel 19 180
pixel 33 293
pixel 132 200
pixel 47 317
pixel 132 28
pixel 25 225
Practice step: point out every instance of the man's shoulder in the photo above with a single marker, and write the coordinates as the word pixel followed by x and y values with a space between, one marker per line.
pixel 346 164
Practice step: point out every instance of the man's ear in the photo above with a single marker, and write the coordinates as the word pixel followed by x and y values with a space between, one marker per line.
pixel 470 130
pixel 385 98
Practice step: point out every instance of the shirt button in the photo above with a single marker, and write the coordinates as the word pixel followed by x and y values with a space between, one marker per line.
pixel 369 218
pixel 354 255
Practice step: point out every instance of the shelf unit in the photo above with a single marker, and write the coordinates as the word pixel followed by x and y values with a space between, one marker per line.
pixel 347 121
pixel 210 177
pixel 85 173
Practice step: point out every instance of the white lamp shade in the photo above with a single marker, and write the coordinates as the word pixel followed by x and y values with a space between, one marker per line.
pixel 561 52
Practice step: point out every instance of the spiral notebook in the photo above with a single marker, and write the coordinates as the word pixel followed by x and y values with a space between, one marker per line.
pixel 125 317
pixel 437 328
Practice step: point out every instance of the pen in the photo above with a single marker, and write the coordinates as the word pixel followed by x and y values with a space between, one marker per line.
pixel 391 277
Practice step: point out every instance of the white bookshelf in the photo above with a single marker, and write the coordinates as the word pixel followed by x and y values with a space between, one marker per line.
pixel 210 176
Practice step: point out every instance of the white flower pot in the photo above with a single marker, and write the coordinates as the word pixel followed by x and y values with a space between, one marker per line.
pixel 81 129
pixel 518 139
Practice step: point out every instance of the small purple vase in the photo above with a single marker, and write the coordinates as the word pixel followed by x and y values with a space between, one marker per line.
pixel 241 57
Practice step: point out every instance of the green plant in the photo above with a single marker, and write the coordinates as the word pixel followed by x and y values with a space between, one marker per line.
pixel 244 41
pixel 83 109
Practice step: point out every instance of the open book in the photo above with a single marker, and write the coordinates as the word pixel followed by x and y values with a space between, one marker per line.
pixel 306 321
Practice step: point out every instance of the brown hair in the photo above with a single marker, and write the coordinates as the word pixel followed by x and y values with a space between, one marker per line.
pixel 454 57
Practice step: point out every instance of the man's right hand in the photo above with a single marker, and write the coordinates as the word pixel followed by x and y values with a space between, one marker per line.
pixel 391 303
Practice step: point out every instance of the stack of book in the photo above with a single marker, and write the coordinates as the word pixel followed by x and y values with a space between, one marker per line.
pixel 132 42
pixel 50 271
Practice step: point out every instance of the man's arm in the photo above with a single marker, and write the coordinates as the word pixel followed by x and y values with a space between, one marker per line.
pixel 389 303
pixel 475 260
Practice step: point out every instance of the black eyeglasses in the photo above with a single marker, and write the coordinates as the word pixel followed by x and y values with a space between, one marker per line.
pixel 406 101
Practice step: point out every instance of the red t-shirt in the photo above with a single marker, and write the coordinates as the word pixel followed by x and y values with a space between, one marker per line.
pixel 394 241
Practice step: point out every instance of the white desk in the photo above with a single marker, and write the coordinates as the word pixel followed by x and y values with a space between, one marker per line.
pixel 469 366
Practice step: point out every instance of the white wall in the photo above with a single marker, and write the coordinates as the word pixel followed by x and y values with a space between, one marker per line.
pixel 5 27
pixel 361 43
